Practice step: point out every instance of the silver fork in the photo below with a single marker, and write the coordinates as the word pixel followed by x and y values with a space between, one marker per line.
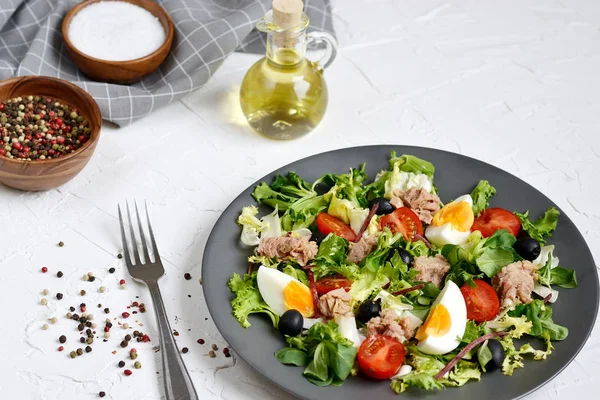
pixel 178 385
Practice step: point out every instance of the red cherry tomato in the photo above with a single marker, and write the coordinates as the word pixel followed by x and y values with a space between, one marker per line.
pixel 403 220
pixel 380 357
pixel 327 224
pixel 482 301
pixel 494 219
pixel 327 284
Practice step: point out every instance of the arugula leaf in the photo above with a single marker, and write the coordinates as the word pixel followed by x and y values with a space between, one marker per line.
pixel 481 195
pixel 247 300
pixel 290 356
pixel 540 315
pixel 329 357
pixel 543 227
pixel 295 273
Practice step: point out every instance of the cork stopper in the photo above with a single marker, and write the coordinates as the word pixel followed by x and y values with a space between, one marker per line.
pixel 287 14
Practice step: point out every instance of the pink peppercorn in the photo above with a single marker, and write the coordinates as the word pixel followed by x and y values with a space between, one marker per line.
pixel 122 282
pixel 127 372
pixel 125 315
pixel 44 269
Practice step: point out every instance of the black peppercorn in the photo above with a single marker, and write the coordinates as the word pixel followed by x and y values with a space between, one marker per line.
pixel 59 274
pixel 184 350
pixel 59 296
pixel 107 310
pixel 62 339
pixel 111 270
pixel 88 349
pixel 121 364
pixel 82 339
pixel 187 276
pixel 101 394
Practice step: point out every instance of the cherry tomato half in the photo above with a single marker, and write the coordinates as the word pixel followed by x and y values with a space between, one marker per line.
pixel 482 301
pixel 494 219
pixel 403 220
pixel 380 357
pixel 327 224
pixel 327 284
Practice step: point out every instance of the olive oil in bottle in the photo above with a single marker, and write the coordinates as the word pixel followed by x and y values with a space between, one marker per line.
pixel 284 95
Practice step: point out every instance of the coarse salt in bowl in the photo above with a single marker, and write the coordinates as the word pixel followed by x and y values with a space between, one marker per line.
pixel 116 31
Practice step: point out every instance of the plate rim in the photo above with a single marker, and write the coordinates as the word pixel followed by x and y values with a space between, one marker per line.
pixel 390 147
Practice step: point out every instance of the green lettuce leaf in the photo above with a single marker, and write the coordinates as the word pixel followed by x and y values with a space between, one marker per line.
pixel 347 186
pixel 563 277
pixel 540 315
pixel 247 300
pixel 331 259
pixel 408 163
pixel 515 326
pixel 481 195
pixel 290 356
pixel 514 357
pixel 543 227
pixel 295 273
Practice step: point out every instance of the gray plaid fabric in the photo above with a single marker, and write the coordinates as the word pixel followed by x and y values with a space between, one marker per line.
pixel 207 31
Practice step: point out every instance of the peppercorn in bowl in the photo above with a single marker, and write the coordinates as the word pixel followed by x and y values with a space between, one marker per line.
pixel 49 129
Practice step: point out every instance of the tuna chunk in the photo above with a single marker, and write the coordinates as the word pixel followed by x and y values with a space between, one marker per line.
pixel 362 248
pixel 423 203
pixel 336 303
pixel 389 324
pixel 431 269
pixel 300 250
pixel 515 282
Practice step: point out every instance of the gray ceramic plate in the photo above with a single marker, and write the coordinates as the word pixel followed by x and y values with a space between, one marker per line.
pixel 455 175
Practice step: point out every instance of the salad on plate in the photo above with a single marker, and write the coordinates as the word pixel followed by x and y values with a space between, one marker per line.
pixel 385 280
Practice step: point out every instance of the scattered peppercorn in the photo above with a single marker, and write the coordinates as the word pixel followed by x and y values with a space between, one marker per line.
pixel 124 343
pixel 82 339
pixel 121 364
pixel 60 348
pixel 184 350
pixel 128 337
pixel 73 354
pixel 227 355
pixel 88 349
pixel 53 320
pixel 127 372
pixel 111 270
pixel 212 354
pixel 137 365
pixel 225 350
pixel 61 243
pixel 80 327
pixel 187 276
pixel 45 292
pixel 125 314
pixel 43 301
pixel 62 339
pixel 59 296
pixel 85 277
pixel 125 326
pixel 82 292
pixel 72 308
pixel 122 282
pixel 101 394
pixel 79 351
pixel 200 341
pixel 215 347
pixel 59 274
pixel 107 310
pixel 45 327
pixel 44 269
pixel 119 256
pixel 92 278
pixel 102 289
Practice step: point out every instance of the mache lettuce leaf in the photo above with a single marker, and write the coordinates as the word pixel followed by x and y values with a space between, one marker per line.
pixel 540 315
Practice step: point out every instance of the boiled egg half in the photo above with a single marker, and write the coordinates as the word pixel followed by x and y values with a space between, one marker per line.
pixel 445 325
pixel 452 224
pixel 282 292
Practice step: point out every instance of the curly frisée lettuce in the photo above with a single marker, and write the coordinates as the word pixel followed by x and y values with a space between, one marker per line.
pixel 481 195
pixel 543 227
pixel 247 300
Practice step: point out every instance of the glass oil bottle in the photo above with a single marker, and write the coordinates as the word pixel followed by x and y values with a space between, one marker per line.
pixel 284 95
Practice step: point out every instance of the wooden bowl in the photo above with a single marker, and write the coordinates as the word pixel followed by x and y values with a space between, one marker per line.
pixel 48 174
pixel 120 71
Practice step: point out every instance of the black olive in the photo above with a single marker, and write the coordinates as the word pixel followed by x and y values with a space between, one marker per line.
pixel 406 257
pixel 368 310
pixel 385 207
pixel 523 234
pixel 527 248
pixel 317 237
pixel 497 355
pixel 291 322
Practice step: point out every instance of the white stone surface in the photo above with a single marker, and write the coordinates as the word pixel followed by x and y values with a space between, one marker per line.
pixel 514 83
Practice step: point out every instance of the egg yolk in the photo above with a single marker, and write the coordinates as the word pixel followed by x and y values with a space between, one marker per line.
pixel 296 296
pixel 437 323
pixel 459 215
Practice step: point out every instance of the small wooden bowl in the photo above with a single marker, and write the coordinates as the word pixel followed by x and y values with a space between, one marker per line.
pixel 120 71
pixel 48 174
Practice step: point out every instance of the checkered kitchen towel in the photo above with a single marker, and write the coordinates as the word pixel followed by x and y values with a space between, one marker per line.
pixel 207 31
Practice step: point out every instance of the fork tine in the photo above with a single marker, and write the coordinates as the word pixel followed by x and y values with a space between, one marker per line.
pixel 154 248
pixel 124 237
pixel 142 236
pixel 136 253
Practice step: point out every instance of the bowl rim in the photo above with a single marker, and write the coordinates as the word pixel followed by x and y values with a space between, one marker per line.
pixel 80 6
pixel 93 138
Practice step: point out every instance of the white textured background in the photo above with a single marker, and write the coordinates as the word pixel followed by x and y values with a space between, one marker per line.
pixel 514 83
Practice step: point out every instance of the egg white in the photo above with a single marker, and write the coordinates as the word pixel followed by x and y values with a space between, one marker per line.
pixel 271 284
pixel 451 298
pixel 446 234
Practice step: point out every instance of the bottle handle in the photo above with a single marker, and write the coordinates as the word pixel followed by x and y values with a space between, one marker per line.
pixel 331 47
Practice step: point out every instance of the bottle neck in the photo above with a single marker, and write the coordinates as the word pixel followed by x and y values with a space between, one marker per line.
pixel 286 49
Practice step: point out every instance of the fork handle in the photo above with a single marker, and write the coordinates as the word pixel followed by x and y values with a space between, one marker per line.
pixel 177 381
